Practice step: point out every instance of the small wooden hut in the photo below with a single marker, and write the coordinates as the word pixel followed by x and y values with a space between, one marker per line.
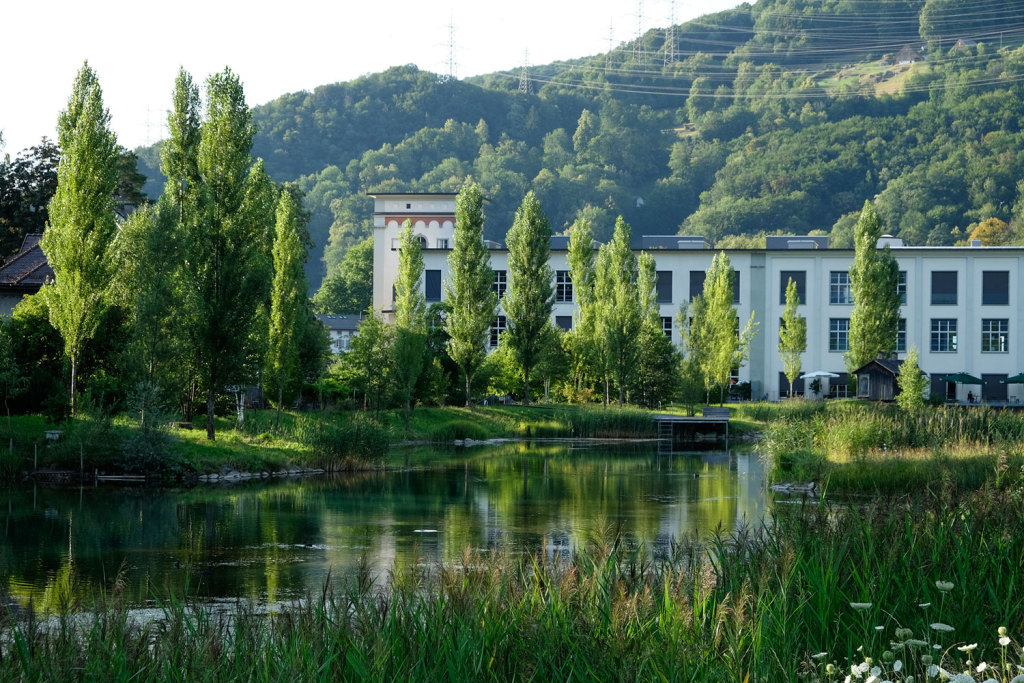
pixel 876 379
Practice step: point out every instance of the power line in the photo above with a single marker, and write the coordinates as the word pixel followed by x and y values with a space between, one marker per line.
pixel 524 74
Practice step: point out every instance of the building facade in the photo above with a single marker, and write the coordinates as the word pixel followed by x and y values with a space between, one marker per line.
pixel 961 305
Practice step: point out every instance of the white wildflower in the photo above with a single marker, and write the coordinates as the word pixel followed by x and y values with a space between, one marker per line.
pixel 917 643
pixel 1004 641
pixel 981 667
pixel 860 606
pixel 939 626
pixel 820 656
pixel 961 678
pixel 924 605
pixel 944 586
pixel 965 648
pixel 897 666
pixel 876 671
pixel 879 628
pixel 933 670
pixel 1017 679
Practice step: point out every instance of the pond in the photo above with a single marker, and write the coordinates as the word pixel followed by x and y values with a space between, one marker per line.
pixel 278 540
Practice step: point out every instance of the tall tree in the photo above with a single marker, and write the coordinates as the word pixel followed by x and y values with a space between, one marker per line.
pixel 226 273
pixel 370 358
pixel 581 340
pixel 410 318
pixel 469 289
pixel 912 383
pixel 792 335
pixel 619 317
pixel 531 294
pixel 287 300
pixel 656 376
pixel 874 275
pixel 349 287
pixel 82 226
pixel 727 347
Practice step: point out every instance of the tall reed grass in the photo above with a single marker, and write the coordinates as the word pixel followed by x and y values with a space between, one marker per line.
pixel 812 587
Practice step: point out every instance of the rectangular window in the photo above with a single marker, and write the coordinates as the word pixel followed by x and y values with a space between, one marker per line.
pixel 563 322
pixel 563 287
pixel 901 286
pixel 839 334
pixel 839 387
pixel 901 335
pixel 839 288
pixel 500 283
pixel 995 334
pixel 442 242
pixel 696 283
pixel 943 287
pixel 666 325
pixel 736 286
pixel 995 287
pixel 797 276
pixel 497 327
pixel 432 285
pixel 664 286
pixel 943 336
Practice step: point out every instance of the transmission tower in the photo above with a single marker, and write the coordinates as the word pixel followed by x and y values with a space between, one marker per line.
pixel 524 75
pixel 452 75
pixel 638 53
pixel 611 44
pixel 670 36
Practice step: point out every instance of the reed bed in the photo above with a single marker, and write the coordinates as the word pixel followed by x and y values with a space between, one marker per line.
pixel 811 594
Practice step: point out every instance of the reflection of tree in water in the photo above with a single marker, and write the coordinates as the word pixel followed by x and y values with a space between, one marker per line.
pixel 279 539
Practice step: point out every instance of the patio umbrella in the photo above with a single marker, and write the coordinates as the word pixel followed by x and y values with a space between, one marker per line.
pixel 1016 379
pixel 818 373
pixel 962 378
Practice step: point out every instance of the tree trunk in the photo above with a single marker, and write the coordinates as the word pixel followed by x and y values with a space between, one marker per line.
pixel 211 395
pixel 526 397
pixel 408 412
pixel 74 377
pixel 468 392
pixel 606 391
pixel 280 397
pixel 621 390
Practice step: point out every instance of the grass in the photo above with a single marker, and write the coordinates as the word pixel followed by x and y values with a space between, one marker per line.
pixel 795 599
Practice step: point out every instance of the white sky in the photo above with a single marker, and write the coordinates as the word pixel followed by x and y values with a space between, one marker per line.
pixel 278 47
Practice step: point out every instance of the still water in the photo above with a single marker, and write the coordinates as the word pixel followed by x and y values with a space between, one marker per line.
pixel 279 540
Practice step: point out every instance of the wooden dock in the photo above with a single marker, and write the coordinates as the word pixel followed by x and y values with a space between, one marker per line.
pixel 675 428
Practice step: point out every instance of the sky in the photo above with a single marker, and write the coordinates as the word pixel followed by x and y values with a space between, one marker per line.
pixel 136 47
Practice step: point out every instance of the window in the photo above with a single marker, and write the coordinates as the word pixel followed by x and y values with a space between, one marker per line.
pixel 839 334
pixel 432 281
pixel 666 325
pixel 442 242
pixel 901 286
pixel 500 283
pixel 696 283
pixel 943 287
pixel 736 286
pixel 995 287
pixel 563 286
pixel 422 240
pixel 839 288
pixel 995 334
pixel 664 286
pixel 563 322
pixel 839 387
pixel 797 276
pixel 901 335
pixel 497 327
pixel 943 339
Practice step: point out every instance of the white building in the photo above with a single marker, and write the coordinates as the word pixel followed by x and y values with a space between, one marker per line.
pixel 961 304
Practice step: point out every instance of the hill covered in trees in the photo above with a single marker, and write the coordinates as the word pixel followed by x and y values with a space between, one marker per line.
pixel 784 115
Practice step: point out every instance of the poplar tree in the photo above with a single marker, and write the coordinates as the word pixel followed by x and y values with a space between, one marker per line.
pixel 912 383
pixel 287 301
pixel 225 269
pixel 531 295
pixel 410 318
pixel 78 241
pixel 580 339
pixel 874 275
pixel 656 376
pixel 792 335
pixel 469 288
pixel 727 347
pixel 619 317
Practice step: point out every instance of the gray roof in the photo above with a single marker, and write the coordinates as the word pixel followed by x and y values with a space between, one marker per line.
pixel 341 323
pixel 27 270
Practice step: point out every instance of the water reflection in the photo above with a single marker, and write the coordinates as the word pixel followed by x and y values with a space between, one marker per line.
pixel 278 540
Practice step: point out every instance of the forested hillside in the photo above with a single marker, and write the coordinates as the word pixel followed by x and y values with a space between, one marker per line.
pixel 782 116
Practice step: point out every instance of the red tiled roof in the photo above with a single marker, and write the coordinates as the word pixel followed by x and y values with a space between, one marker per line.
pixel 28 269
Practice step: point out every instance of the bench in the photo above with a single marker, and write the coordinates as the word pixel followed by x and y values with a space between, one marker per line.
pixel 721 413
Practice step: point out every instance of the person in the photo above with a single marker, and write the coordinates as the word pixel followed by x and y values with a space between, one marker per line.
pixel 970 397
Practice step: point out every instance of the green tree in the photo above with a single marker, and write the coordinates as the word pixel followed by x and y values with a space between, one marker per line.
pixel 11 380
pixel 469 291
pixel 876 303
pixel 226 273
pixel 581 339
pixel 410 322
pixel 912 383
pixel 656 375
pixel 530 296
pixel 287 299
pixel 792 335
pixel 727 347
pixel 349 287
pixel 370 360
pixel 78 243
pixel 619 308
